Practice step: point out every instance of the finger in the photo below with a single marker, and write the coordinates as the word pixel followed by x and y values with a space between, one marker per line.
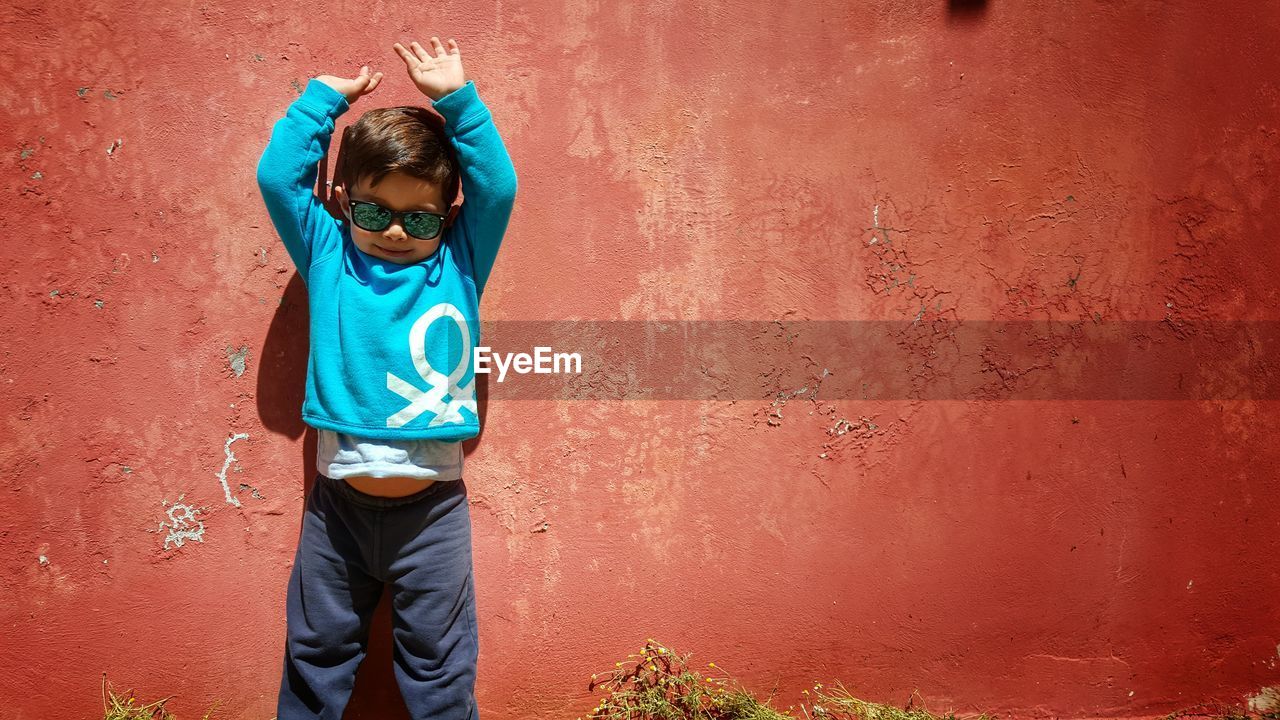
pixel 418 50
pixel 377 78
pixel 453 47
pixel 435 45
pixel 410 60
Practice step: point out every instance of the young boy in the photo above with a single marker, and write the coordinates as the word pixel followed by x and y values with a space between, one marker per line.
pixel 394 294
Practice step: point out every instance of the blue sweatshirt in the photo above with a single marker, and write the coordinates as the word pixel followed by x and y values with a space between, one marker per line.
pixel 391 344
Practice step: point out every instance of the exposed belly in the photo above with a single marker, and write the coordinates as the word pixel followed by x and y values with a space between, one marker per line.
pixel 388 486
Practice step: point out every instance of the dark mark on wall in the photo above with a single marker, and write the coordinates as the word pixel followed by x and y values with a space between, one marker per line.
pixel 246 486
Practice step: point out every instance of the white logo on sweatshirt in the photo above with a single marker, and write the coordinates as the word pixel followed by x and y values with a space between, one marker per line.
pixel 460 396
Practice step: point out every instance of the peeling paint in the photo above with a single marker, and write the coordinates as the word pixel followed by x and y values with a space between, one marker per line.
pixel 231 457
pixel 253 488
pixel 237 358
pixel 775 415
pixel 711 197
pixel 183 524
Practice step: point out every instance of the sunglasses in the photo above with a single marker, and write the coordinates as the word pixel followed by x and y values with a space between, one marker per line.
pixel 375 218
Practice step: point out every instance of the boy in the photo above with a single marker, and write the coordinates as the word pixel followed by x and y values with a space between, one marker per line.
pixel 394 293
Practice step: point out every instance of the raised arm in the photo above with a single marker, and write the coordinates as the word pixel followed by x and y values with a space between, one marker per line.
pixel 287 175
pixel 488 177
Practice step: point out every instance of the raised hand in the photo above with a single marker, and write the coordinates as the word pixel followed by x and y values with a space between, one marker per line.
pixel 436 73
pixel 355 88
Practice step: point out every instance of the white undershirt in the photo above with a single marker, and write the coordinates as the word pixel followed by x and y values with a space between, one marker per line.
pixel 339 455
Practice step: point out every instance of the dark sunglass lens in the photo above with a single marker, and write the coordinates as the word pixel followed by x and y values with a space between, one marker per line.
pixel 422 225
pixel 370 217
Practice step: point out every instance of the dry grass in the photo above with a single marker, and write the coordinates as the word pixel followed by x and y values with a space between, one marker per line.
pixel 658 684
pixel 127 707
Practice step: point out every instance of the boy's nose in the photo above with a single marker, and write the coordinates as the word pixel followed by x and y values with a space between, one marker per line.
pixel 394 230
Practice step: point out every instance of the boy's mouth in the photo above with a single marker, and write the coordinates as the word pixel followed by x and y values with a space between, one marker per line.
pixel 393 252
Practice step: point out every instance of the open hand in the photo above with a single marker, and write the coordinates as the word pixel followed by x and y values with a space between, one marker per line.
pixel 361 85
pixel 436 73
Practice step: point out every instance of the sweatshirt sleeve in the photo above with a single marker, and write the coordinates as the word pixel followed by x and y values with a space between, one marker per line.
pixel 488 177
pixel 287 174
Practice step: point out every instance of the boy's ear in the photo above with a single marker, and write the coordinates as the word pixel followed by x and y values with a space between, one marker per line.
pixel 337 205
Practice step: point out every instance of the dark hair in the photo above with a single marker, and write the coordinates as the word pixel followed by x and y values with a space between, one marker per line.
pixel 406 139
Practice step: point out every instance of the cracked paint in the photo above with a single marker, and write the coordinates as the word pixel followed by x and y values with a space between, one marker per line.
pixel 899 535
pixel 183 524
pixel 226 464
pixel 237 359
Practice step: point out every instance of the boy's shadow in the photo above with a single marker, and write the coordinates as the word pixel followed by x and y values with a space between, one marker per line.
pixel 282 375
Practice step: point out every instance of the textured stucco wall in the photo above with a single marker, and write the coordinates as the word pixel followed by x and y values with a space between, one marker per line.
pixel 891 161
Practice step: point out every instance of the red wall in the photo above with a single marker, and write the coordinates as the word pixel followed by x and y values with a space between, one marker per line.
pixel 1027 553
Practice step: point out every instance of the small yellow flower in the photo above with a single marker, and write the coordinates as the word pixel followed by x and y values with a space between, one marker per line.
pixel 617 664
pixel 711 664
pixel 651 667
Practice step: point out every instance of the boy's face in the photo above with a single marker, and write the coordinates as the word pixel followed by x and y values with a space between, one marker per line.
pixel 397 192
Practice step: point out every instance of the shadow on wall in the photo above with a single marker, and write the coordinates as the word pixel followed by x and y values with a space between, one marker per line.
pixel 966 10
